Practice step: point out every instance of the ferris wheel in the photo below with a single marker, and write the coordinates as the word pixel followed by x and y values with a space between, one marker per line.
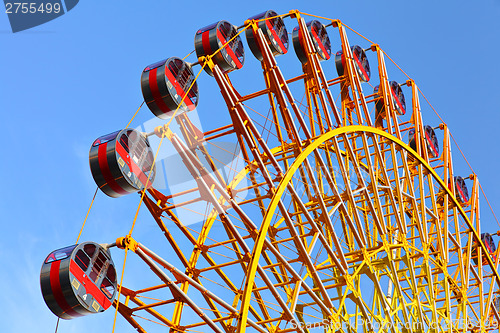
pixel 340 208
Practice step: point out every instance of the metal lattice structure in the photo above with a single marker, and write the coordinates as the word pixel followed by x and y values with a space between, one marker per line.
pixel 333 223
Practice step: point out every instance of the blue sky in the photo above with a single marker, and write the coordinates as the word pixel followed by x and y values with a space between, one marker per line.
pixel 65 83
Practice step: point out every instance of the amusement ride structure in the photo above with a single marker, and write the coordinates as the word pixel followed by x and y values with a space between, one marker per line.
pixel 347 215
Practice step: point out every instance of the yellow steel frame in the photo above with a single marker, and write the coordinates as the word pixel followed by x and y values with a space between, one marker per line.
pixel 343 226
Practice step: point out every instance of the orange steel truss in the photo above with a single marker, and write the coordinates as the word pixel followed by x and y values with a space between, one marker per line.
pixel 334 222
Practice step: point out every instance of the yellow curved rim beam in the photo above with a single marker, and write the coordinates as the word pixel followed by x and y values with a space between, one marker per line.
pixel 259 243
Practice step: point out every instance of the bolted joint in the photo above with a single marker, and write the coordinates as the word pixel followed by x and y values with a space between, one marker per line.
pixel 246 257
pixel 159 131
pixel 163 131
pixel 127 242
pixel 294 13
pixel 279 176
pixel 120 243
pixel 336 23
pixel 193 272
pixel 202 59
pixel 251 23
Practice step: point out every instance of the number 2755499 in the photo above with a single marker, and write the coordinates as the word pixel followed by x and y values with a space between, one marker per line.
pixel 32 8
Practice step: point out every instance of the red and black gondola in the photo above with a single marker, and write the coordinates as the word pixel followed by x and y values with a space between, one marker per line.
pixel 430 139
pixel 489 243
pixel 165 86
pixel 398 100
pixel 461 191
pixel 78 280
pixel 212 38
pixel 274 31
pixel 122 163
pixel 361 63
pixel 320 39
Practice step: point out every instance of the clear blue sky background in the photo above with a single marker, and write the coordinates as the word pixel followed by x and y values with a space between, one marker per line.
pixel 67 82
